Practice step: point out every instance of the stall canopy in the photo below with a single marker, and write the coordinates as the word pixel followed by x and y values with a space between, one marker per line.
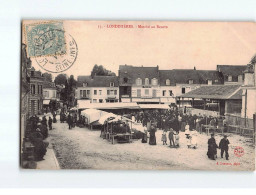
pixel 46 102
pixel 107 117
pixel 93 115
pixel 154 106
pixel 117 105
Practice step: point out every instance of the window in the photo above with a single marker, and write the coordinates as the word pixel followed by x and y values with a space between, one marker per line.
pixel 230 78
pixel 154 81
pixel 240 78
pixel 95 92
pixel 154 92
pixel 138 81
pixel 138 92
pixel 108 92
pixel 164 92
pixel 183 90
pixel 100 92
pixel 170 93
pixel 38 89
pixel 33 89
pixel 190 81
pixel 115 92
pixel 125 80
pixel 84 93
pixel 85 84
pixel 209 82
pixel 94 100
pixel 168 82
pixel 146 81
pixel 88 92
pixel 146 91
pixel 112 84
pixel 101 100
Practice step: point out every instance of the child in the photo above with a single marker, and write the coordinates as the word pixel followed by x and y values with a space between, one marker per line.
pixel 177 139
pixel 164 138
pixel 187 132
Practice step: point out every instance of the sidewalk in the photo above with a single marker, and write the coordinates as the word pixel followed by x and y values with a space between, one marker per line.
pixel 50 162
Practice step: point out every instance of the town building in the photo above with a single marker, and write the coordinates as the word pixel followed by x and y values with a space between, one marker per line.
pixel 36 92
pixel 139 84
pixel 49 95
pixel 174 83
pixel 217 100
pixel 97 89
pixel 249 92
pixel 232 74
pixel 25 90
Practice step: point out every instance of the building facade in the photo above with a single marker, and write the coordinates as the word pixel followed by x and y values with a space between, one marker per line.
pixel 139 84
pixel 249 92
pixel 25 89
pixel 36 92
pixel 99 89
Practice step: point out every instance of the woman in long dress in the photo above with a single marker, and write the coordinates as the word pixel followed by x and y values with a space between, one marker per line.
pixel 152 137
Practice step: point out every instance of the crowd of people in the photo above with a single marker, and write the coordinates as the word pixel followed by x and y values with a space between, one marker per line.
pixel 171 122
pixel 37 132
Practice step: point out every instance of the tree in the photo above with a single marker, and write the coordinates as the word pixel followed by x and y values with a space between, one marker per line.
pixel 101 71
pixel 47 76
pixel 60 79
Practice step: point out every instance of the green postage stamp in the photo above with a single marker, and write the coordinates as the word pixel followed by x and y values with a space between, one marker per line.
pixel 44 39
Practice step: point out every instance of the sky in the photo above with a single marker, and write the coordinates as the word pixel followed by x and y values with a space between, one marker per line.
pixel 180 45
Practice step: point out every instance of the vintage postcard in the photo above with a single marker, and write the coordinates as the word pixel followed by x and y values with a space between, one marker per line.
pixel 138 95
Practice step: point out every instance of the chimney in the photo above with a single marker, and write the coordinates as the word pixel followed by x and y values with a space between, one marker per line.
pixel 249 78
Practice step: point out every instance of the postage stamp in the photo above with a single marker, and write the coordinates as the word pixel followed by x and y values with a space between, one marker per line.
pixel 44 39
pixel 63 61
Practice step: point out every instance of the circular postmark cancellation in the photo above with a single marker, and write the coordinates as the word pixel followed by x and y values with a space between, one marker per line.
pixel 239 151
pixel 60 61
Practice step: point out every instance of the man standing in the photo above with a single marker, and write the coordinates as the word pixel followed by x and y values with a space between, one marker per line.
pixel 212 148
pixel 69 120
pixel 171 138
pixel 50 123
pixel 224 146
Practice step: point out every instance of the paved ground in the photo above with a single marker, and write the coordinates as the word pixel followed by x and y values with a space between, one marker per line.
pixel 81 148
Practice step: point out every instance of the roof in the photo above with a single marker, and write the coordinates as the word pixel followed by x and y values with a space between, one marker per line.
pixel 49 85
pixel 154 106
pixel 133 72
pixel 233 70
pixel 183 76
pixel 216 92
pixel 97 81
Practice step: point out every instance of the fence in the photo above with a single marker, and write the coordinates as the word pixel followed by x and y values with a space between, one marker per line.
pixel 240 125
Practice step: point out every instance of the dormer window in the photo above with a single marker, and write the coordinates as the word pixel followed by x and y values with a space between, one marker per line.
pixel 85 84
pixel 209 82
pixel 190 81
pixel 125 80
pixel 138 81
pixel 168 82
pixel 146 81
pixel 112 84
pixel 154 81
pixel 240 78
pixel 229 78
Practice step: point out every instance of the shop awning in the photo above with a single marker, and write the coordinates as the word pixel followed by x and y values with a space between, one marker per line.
pixel 114 105
pixel 46 102
pixel 154 106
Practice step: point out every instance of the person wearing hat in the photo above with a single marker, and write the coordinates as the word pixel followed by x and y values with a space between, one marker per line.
pixel 223 145
pixel 152 135
pixel 212 148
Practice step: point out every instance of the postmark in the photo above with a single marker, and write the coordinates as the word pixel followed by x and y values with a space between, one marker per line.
pixel 239 151
pixel 44 39
pixel 61 62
